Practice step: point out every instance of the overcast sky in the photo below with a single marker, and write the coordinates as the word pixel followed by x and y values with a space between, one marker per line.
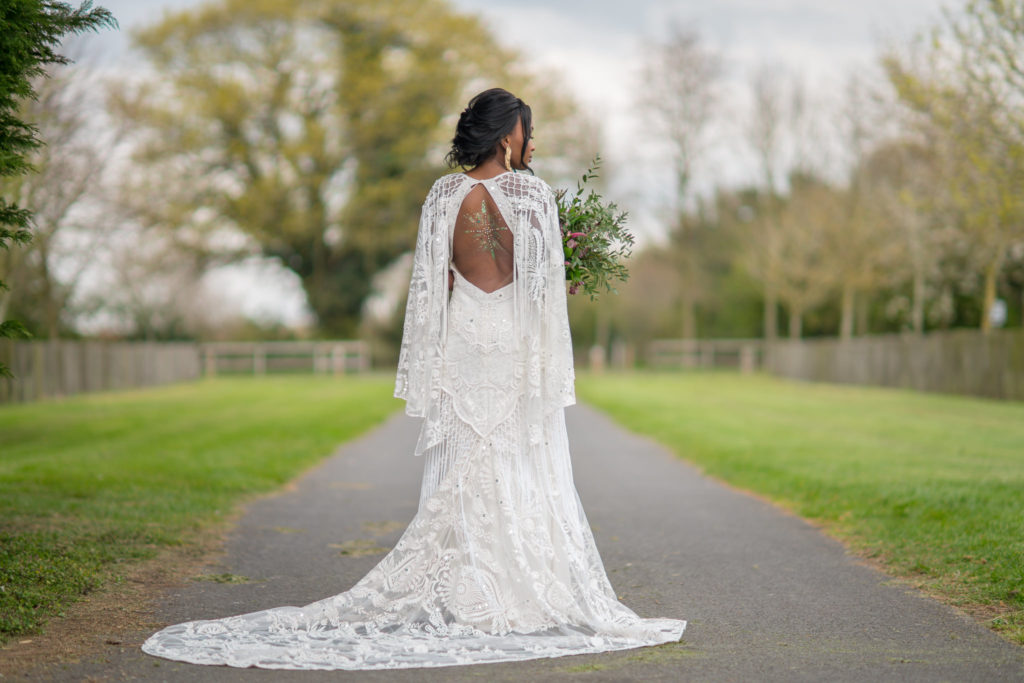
pixel 598 46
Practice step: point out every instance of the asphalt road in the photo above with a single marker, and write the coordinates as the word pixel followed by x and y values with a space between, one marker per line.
pixel 766 595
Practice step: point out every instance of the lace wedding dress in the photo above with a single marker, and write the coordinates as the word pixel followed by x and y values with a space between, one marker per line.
pixel 499 563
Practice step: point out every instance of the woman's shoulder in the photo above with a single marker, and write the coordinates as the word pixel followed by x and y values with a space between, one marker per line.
pixel 446 184
pixel 528 180
pixel 524 184
pixel 518 184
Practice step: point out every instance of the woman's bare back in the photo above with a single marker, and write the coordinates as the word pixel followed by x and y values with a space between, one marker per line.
pixel 482 245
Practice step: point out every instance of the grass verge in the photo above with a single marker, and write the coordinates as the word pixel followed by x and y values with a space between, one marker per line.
pixel 929 485
pixel 93 484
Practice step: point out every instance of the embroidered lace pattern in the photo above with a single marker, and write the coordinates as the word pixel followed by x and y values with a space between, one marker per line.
pixel 539 320
pixel 499 563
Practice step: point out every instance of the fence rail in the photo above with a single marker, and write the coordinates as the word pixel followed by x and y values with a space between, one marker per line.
pixel 957 361
pixel 51 368
pixel 745 354
pixel 954 361
pixel 55 368
pixel 321 357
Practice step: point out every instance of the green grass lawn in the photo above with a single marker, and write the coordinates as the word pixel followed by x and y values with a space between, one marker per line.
pixel 93 481
pixel 930 485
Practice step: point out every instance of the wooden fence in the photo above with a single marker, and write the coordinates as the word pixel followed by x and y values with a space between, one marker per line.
pixel 320 357
pixel 53 368
pixel 744 354
pixel 56 368
pixel 955 361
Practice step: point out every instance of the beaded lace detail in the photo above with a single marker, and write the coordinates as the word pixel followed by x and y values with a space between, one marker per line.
pixel 540 323
pixel 499 563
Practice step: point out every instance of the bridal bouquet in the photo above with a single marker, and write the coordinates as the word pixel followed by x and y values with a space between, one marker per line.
pixel 594 237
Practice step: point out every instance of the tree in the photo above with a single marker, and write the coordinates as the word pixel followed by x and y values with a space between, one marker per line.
pixel 647 302
pixel 778 121
pixel 30 32
pixel 907 198
pixel 149 289
pixel 856 241
pixel 680 96
pixel 804 221
pixel 965 89
pixel 312 128
pixel 64 197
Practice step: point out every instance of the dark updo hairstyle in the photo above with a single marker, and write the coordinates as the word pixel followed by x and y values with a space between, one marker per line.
pixel 490 116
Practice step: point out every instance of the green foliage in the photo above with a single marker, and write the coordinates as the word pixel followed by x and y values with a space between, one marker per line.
pixel 964 91
pixel 11 216
pixel 594 237
pixel 9 329
pixel 92 482
pixel 313 128
pixel 928 484
pixel 30 33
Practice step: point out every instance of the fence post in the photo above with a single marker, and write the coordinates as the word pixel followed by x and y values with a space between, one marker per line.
pixel 707 353
pixel 746 359
pixel 209 360
pixel 320 359
pixel 364 356
pixel 623 356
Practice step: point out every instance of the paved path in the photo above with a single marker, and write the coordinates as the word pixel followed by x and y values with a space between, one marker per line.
pixel 767 596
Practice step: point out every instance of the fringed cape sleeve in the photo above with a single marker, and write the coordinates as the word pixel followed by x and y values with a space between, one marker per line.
pixel 418 380
pixel 541 323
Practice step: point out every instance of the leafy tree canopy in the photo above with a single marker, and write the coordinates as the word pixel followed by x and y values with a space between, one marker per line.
pixel 313 127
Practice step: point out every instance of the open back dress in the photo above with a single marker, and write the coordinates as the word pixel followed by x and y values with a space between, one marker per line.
pixel 499 563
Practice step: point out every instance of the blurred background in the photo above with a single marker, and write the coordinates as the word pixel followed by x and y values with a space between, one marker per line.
pixel 806 181
pixel 821 191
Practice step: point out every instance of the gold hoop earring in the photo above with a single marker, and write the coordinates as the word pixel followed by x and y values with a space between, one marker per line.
pixel 508 158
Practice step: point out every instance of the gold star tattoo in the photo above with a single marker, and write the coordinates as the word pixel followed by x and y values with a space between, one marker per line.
pixel 486 229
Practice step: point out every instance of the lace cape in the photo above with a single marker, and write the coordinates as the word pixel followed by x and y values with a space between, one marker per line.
pixel 540 321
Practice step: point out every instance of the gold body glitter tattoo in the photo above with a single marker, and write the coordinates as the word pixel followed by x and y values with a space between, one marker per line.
pixel 486 230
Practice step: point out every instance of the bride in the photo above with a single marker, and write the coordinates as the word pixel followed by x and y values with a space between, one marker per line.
pixel 499 563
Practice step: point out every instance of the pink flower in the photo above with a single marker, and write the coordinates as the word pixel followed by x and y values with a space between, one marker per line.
pixel 572 289
pixel 566 263
pixel 571 244
pixel 577 234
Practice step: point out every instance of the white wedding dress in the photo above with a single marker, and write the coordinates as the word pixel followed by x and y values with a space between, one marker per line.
pixel 499 563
